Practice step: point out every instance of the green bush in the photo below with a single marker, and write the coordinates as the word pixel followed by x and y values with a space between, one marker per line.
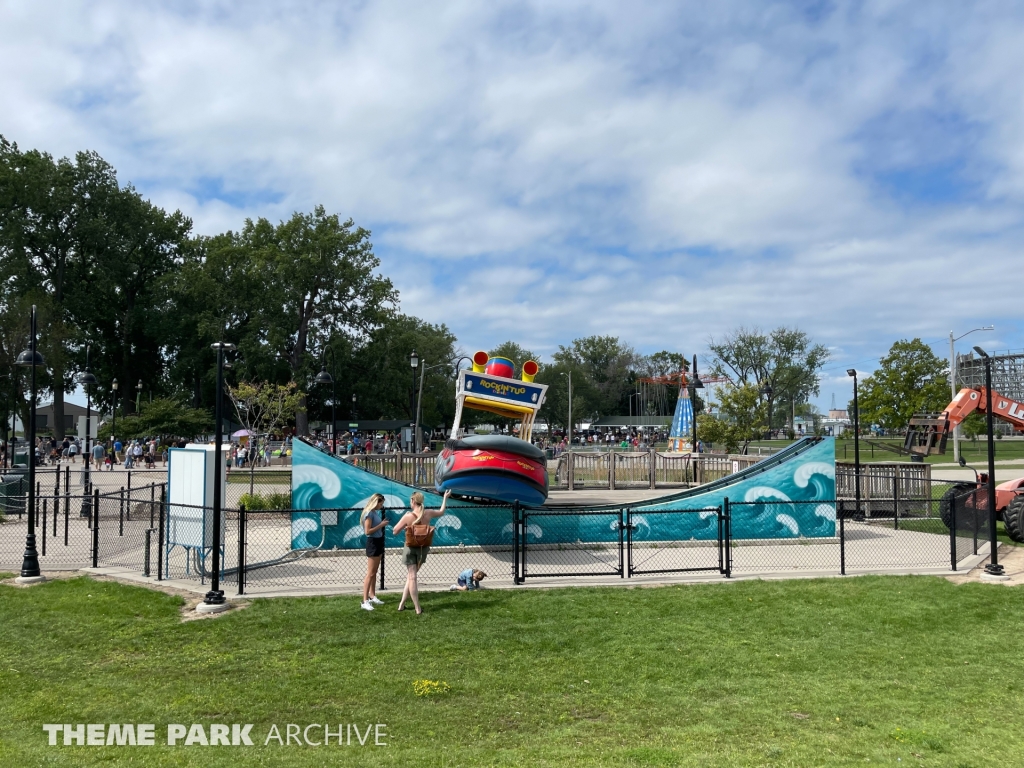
pixel 256 502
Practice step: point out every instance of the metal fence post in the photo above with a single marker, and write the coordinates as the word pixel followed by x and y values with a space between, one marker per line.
pixel 952 532
pixel 152 497
pixel 515 542
pixel 95 528
pixel 896 499
pixel 67 507
pixel 56 511
pixel 149 545
pixel 728 537
pixel 842 538
pixel 43 553
pixel 120 529
pixel 522 543
pixel 627 567
pixel 160 537
pixel 241 549
pixel 383 557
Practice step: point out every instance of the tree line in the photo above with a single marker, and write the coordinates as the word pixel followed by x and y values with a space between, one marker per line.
pixel 132 288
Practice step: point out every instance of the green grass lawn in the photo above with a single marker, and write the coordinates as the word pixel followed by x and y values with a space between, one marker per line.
pixel 878 670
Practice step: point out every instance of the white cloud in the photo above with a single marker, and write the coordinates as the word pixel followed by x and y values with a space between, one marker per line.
pixel 545 171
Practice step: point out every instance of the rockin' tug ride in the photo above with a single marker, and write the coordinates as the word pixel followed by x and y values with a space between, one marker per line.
pixel 496 467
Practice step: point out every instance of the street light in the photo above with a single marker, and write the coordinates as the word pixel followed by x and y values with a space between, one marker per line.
pixel 856 439
pixel 419 399
pixel 138 395
pixel 767 390
pixel 113 426
pixel 87 380
pixel 952 383
pixel 353 416
pixel 993 568
pixel 325 378
pixel 30 564
pixel 568 375
pixel 414 363
pixel 214 602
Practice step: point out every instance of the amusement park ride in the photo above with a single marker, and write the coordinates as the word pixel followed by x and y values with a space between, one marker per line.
pixel 496 467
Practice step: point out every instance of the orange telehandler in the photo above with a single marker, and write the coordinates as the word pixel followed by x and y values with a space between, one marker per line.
pixel 927 435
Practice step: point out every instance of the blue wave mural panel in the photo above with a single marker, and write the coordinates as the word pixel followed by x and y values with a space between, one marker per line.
pixel 787 499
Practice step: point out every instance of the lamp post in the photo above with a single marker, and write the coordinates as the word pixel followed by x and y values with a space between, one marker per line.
pixel 856 439
pixel 414 363
pixel 767 390
pixel 568 375
pixel 30 564
pixel 326 378
pixel 88 380
pixel 419 400
pixel 695 384
pixel 113 426
pixel 353 415
pixel 214 600
pixel 952 383
pixel 993 568
pixel 138 395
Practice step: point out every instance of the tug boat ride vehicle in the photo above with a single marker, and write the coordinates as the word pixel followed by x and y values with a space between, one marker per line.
pixel 494 467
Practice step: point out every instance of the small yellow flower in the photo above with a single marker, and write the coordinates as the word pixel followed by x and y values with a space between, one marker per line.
pixel 430 687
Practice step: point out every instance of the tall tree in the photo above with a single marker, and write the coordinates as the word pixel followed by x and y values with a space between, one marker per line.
pixel 608 366
pixel 910 379
pixel 782 364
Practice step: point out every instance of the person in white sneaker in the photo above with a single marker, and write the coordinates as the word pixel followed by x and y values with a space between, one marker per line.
pixel 373 521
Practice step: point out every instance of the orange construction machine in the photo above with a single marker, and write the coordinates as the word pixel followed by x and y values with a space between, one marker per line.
pixel 927 435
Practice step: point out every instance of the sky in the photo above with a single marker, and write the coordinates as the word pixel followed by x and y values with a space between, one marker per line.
pixel 660 172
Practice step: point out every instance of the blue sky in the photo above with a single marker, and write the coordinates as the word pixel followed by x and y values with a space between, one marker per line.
pixel 661 172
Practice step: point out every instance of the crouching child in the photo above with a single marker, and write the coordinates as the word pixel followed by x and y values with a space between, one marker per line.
pixel 469 579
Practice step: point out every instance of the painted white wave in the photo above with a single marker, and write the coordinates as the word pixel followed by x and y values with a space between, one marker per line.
pixel 706 513
pixel 803 473
pixel 789 522
pixel 451 521
pixel 759 492
pixel 532 528
pixel 355 532
pixel 301 528
pixel 826 512
pixel 328 482
pixel 303 525
pixel 390 502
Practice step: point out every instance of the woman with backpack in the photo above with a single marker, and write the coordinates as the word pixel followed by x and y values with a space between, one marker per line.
pixel 419 535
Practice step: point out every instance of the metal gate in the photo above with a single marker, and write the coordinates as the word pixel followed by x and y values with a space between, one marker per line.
pixel 677 541
pixel 619 542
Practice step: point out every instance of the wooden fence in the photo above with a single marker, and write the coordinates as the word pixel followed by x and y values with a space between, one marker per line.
pixel 647 469
pixel 884 484
pixel 613 469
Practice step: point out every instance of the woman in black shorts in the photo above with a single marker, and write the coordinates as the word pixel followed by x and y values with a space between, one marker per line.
pixel 374 522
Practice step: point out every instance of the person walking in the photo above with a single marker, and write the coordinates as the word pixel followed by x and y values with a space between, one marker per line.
pixel 374 521
pixel 419 535
pixel 97 455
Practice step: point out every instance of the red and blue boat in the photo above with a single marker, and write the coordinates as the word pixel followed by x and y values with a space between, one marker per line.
pixel 496 467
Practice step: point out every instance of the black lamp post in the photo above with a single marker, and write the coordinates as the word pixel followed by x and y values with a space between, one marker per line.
pixel 214 600
pixel 353 416
pixel 30 564
pixel 138 395
pixel 856 440
pixel 414 363
pixel 325 378
pixel 695 384
pixel 113 426
pixel 88 380
pixel 767 390
pixel 993 568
